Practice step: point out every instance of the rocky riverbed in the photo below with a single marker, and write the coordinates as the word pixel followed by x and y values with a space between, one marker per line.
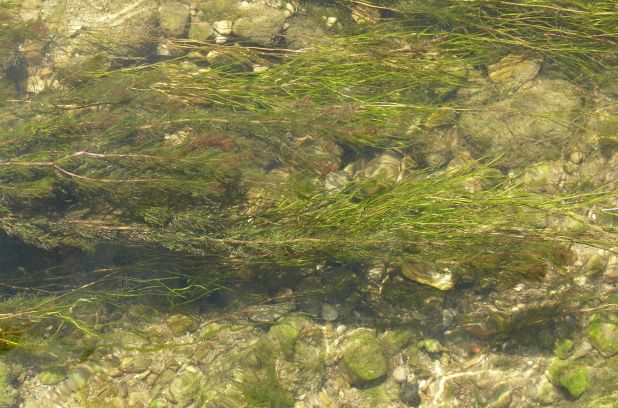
pixel 469 348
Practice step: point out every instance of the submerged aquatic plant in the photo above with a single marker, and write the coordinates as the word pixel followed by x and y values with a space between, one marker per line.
pixel 580 34
pixel 160 158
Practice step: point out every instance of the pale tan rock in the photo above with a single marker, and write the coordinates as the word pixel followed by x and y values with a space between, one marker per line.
pixel 428 274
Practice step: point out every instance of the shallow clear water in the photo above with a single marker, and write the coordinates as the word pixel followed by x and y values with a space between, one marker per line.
pixel 312 204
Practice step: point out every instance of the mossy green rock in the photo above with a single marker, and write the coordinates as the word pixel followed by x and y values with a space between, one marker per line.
pixel 546 394
pixel 385 393
pixel 570 376
pixel 173 18
pixel 52 376
pixel 286 331
pixel 200 30
pixel 603 336
pixel 395 340
pixel 363 360
pixel 595 264
pixel 563 348
pixel 431 345
pixel 542 177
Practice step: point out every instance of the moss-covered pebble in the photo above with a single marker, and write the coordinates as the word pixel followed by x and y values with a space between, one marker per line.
pixel 386 393
pixel 603 335
pixel 286 331
pixel 363 360
pixel 563 348
pixel 570 376
pixel 51 376
pixel 174 18
pixel 431 345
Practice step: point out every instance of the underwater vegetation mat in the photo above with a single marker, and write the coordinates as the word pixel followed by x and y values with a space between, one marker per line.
pixel 162 157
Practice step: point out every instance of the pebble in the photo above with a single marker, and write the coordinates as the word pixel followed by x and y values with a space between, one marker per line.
pixel 223 27
pixel 408 394
pixel 166 377
pixel 135 363
pixel 185 385
pixel 157 366
pixel 179 324
pixel 400 374
pixel 118 402
pixel 78 378
pixel 150 378
pixel 576 157
pixel 329 312
pixel 260 68
pixel 123 389
pixel 290 10
pixel 52 376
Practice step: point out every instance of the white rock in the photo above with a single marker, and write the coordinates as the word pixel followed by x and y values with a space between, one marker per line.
pixel 163 50
pixel 290 10
pixel 400 374
pixel 335 181
pixel 576 157
pixel 176 139
pixel 331 21
pixel 260 68
pixel 223 27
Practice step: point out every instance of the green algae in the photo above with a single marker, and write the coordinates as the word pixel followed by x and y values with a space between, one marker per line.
pixel 603 334
pixel 384 393
pixel 563 348
pixel 52 376
pixel 266 391
pixel 572 377
pixel 262 386
pixel 286 332
pixel 363 360
pixel 397 339
pixel 430 345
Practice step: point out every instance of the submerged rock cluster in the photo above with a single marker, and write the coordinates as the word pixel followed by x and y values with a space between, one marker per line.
pixel 473 354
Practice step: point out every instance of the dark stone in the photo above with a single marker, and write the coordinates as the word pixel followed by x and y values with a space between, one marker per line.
pixel 408 394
